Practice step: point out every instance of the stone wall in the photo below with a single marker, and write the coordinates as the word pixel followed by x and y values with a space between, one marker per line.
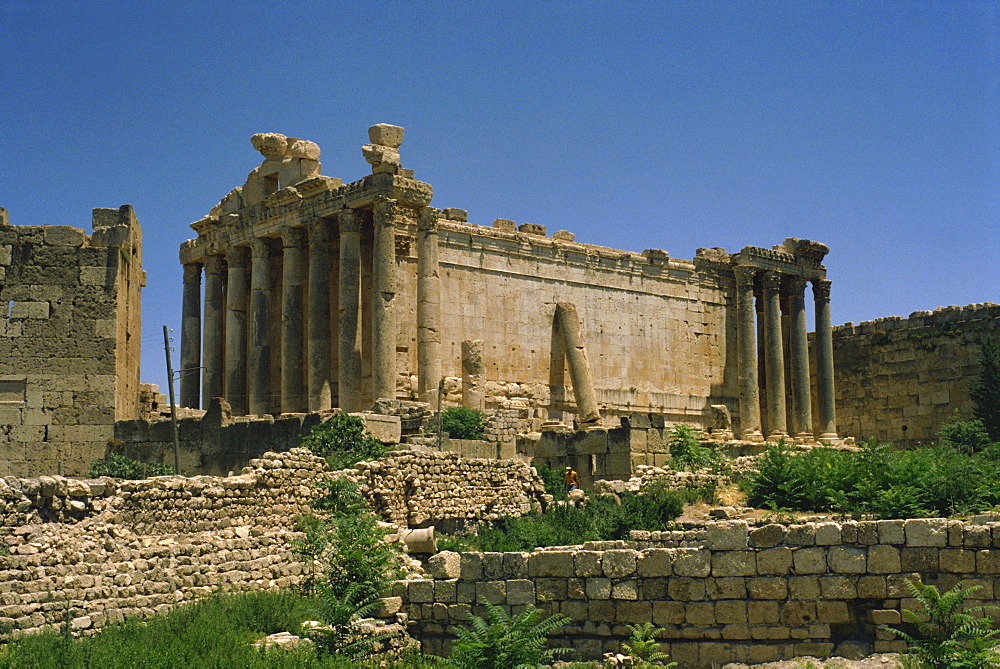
pixel 69 340
pixel 748 594
pixel 899 379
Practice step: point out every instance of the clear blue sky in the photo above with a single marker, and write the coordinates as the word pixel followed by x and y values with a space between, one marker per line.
pixel 871 126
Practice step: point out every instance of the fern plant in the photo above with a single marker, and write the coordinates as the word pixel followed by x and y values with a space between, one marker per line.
pixel 950 633
pixel 503 642
pixel 343 613
pixel 642 646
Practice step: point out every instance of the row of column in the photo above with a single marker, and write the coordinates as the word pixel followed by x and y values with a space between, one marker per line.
pixel 231 346
pixel 773 350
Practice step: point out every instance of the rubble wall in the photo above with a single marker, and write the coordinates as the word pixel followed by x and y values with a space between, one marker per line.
pixel 899 379
pixel 69 340
pixel 747 594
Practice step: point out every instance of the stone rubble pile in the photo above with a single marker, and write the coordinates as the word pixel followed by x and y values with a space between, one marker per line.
pixel 646 474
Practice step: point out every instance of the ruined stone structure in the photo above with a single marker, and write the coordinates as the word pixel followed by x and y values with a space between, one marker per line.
pixel 899 379
pixel 69 340
pixel 319 294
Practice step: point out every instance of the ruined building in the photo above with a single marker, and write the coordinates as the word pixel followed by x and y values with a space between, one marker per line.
pixel 70 327
pixel 302 293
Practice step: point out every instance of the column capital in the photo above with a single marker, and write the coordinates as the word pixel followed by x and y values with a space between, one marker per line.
pixel 771 281
pixel 259 247
pixel 384 207
pixel 427 219
pixel 192 272
pixel 319 231
pixel 821 289
pixel 348 220
pixel 213 264
pixel 796 285
pixel 744 274
pixel 238 256
pixel 293 238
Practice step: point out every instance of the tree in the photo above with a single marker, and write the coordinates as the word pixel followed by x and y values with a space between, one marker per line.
pixel 985 391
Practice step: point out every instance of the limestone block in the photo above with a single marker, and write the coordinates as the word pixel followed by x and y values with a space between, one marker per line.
pixel 767 588
pixel 446 564
pixel 891 532
pixel 634 612
pixel 619 563
pixel 386 429
pixel 5 254
pixel 532 229
pixel 495 592
pixel 384 134
pixel 809 560
pixel 767 536
pixel 926 532
pixel 453 214
pixel 776 561
pixel 551 563
pixel 958 561
pixel 446 592
pixel 25 309
pixel 872 587
pixel 798 613
pixel 686 589
pixel 847 560
pixel 521 592
pixel 804 587
pixel 628 589
pixel 801 535
pixel 883 559
pixel 588 563
pixel 598 588
pixel 828 534
pixel 922 559
pixel 837 587
pixel 505 225
pixel 420 591
pixel 563 235
pixel 655 562
pixel 726 535
pixel 733 563
pixel 692 562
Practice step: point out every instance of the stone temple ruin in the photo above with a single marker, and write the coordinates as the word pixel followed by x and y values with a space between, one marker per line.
pixel 319 294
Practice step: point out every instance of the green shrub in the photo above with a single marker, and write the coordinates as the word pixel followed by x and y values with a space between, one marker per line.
pixel 687 451
pixel 343 441
pixel 554 480
pixel 642 646
pixel 463 423
pixel 120 466
pixel 967 436
pixel 948 633
pixel 502 642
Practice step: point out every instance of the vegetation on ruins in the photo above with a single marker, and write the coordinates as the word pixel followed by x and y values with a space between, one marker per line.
pixel 463 422
pixel 985 391
pixel 120 466
pixel 687 451
pixel 600 518
pixel 643 648
pixel 343 441
pixel 502 641
pixel 876 481
pixel 946 632
pixel 553 479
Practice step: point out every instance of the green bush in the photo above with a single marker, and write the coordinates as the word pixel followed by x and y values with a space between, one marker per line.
pixel 687 451
pixel 946 632
pixel 120 466
pixel 554 480
pixel 643 648
pixel 967 436
pixel 343 441
pixel 463 423
pixel 503 642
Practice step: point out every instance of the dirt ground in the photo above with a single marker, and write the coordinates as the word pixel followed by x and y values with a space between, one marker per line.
pixel 880 661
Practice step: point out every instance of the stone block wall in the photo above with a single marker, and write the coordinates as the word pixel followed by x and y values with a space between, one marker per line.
pixel 69 340
pixel 747 594
pixel 899 379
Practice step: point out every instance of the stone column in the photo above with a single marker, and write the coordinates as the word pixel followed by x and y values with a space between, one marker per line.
pixel 318 329
pixel 579 366
pixel 798 348
pixel 293 387
pixel 349 371
pixel 428 307
pixel 473 375
pixel 260 319
pixel 191 338
pixel 774 364
pixel 236 331
pixel 746 339
pixel 824 363
pixel 383 300
pixel 214 328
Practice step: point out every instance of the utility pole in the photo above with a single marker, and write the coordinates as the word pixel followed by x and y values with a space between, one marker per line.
pixel 173 406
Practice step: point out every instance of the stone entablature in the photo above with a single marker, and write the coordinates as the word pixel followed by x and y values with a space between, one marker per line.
pixel 355 288
pixel 747 594
pixel 70 334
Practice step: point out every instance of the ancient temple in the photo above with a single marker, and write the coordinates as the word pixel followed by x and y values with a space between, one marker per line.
pixel 302 293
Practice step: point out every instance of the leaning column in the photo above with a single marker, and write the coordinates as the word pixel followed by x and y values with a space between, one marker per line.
pixel 824 362
pixel 428 307
pixel 747 355
pixel 798 348
pixel 236 331
pixel 212 338
pixel 260 325
pixel 349 295
pixel 383 300
pixel 318 329
pixel 579 366
pixel 293 398
pixel 774 365
pixel 191 337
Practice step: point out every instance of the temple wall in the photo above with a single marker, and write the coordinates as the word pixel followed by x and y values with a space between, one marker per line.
pixel 899 379
pixel 745 594
pixel 69 340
